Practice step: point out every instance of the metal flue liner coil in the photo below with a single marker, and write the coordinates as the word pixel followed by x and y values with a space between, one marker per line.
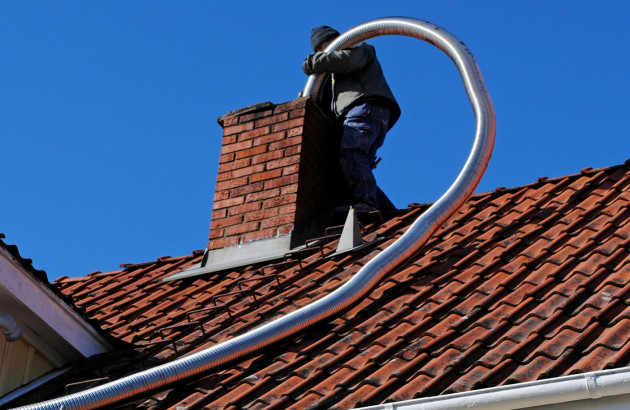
pixel 363 281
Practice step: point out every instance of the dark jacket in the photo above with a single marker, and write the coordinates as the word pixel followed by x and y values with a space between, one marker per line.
pixel 357 77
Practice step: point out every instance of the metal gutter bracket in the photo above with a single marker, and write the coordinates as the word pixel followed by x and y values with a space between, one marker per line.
pixel 10 328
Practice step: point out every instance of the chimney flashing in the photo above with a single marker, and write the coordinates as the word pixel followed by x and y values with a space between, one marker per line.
pixel 249 253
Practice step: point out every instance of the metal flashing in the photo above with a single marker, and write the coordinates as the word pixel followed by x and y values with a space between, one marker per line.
pixel 249 253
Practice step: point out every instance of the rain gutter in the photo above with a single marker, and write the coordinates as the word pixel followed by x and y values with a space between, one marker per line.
pixel 565 389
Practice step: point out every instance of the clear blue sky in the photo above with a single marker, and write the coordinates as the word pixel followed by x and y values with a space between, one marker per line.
pixel 108 109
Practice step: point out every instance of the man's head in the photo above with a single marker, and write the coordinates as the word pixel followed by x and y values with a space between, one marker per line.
pixel 321 36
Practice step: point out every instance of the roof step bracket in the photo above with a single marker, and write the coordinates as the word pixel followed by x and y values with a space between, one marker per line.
pixel 351 234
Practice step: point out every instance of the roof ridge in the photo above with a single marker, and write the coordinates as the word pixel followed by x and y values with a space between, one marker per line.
pixel 544 180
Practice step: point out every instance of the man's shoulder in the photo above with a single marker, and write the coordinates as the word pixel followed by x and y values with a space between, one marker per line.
pixel 366 46
pixel 366 49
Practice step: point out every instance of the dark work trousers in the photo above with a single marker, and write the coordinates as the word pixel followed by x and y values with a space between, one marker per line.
pixel 364 130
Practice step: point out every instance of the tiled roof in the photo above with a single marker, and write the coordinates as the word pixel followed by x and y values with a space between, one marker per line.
pixel 520 284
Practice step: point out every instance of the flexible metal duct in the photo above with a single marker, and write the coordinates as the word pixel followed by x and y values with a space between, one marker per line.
pixel 364 280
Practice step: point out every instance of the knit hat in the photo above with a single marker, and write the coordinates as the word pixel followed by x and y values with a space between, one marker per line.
pixel 321 34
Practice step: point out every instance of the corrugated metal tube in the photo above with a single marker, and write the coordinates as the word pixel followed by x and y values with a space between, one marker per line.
pixel 363 281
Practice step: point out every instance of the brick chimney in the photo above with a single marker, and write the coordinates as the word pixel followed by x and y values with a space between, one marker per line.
pixel 278 178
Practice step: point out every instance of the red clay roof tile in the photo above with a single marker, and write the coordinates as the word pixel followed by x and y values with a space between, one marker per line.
pixel 520 284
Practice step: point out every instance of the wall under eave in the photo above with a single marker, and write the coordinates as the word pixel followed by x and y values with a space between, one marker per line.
pixel 20 363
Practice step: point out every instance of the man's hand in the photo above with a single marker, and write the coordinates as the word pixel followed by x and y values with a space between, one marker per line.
pixel 307 65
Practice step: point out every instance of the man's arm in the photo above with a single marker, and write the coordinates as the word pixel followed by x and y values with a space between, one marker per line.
pixel 341 62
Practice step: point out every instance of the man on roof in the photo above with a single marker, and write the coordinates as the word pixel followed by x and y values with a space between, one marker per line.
pixel 362 99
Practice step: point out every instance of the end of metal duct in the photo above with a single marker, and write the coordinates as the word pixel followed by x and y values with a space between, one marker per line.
pixel 351 234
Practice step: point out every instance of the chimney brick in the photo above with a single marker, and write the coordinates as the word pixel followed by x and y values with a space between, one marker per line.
pixel 277 174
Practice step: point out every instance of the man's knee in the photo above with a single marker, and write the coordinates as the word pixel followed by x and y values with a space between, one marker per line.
pixel 357 138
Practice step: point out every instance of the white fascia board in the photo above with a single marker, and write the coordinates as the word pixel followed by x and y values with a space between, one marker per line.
pixel 41 303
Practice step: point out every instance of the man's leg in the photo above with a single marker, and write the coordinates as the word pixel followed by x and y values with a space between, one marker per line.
pixel 364 131
pixel 384 203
